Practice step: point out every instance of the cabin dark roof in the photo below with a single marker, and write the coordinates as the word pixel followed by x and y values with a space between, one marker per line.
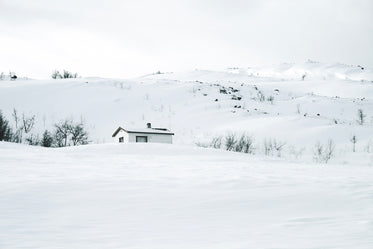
pixel 162 131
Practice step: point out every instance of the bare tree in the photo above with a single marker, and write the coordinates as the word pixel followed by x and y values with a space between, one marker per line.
pixel 67 133
pixel 61 135
pixel 23 124
pixel 17 137
pixel 27 123
pixel 79 135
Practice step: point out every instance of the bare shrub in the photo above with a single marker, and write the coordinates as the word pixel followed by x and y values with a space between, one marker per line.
pixel 360 117
pixel 33 140
pixel 324 153
pixel 216 142
pixel 230 141
pixel 260 96
pixel 56 75
pixel 23 124
pixel 28 123
pixel 268 147
pixel 245 144
pixel 273 146
pixel 67 74
pixel 353 140
pixel 278 145
pixel 249 145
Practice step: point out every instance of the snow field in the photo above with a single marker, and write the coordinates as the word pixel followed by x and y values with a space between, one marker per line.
pixel 171 196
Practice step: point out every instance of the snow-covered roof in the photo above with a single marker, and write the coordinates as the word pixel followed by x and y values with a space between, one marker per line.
pixel 144 130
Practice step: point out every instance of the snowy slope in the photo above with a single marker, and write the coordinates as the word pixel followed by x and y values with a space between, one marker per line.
pixel 182 196
pixel 323 106
pixel 170 196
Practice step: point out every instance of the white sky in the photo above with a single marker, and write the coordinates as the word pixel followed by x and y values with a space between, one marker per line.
pixel 113 38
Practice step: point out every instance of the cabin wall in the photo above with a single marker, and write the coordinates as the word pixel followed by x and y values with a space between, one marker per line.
pixel 152 138
pixel 123 134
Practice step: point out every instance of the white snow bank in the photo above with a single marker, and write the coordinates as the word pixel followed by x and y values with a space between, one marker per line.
pixel 168 196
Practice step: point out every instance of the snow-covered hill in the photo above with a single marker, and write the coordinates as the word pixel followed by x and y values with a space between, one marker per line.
pixel 267 103
pixel 172 196
pixel 111 195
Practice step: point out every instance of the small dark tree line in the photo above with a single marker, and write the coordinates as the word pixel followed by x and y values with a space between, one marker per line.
pixel 65 75
pixel 322 153
pixel 66 132
pixel 232 142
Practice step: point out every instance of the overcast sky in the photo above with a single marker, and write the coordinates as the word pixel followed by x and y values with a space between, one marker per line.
pixel 125 38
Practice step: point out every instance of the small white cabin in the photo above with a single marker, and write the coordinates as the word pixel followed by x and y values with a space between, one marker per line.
pixel 143 135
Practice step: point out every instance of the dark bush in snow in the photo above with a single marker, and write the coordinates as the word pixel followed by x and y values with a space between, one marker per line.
pixel 5 129
pixel 66 75
pixel 47 140
pixel 33 140
pixel 56 75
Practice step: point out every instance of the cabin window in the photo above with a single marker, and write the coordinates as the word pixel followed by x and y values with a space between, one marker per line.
pixel 121 140
pixel 141 139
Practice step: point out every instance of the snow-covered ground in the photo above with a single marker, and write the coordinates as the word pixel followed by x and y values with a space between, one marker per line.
pixel 173 196
pixel 107 195
pixel 200 105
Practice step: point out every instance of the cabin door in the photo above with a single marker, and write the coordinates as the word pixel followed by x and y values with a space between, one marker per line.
pixel 141 139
